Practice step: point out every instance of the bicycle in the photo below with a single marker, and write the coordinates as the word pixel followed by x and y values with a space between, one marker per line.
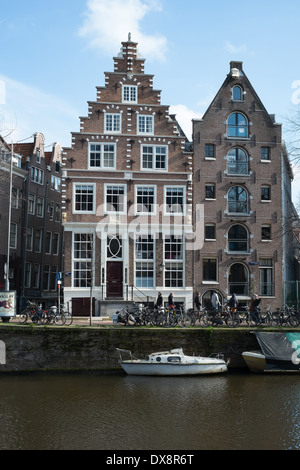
pixel 32 312
pixel 285 316
pixel 68 316
pixel 52 316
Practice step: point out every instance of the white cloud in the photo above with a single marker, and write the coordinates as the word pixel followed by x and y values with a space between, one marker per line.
pixel 184 116
pixel 26 110
pixel 107 24
pixel 235 49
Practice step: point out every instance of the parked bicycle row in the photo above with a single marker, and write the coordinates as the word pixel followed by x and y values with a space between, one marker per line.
pixel 39 316
pixel 146 316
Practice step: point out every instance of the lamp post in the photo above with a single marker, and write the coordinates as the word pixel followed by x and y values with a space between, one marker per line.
pixel 9 219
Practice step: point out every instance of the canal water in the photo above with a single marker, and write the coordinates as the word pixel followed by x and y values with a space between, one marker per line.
pixel 234 411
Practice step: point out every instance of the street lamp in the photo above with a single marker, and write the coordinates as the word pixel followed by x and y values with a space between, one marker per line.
pixel 9 219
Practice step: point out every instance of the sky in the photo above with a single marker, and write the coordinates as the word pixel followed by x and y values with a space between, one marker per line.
pixel 54 54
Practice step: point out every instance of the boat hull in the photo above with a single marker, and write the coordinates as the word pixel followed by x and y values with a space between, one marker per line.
pixel 132 368
pixel 256 361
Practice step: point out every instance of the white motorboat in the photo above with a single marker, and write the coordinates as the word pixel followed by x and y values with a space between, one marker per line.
pixel 173 362
pixel 255 360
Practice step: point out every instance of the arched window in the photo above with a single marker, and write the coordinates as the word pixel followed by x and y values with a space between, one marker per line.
pixel 238 200
pixel 206 298
pixel 238 239
pixel 237 126
pixel 238 279
pixel 237 160
pixel 237 93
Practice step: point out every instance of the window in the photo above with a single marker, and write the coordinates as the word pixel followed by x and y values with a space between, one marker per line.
pixel 145 124
pixel 40 206
pixel 57 212
pixel 31 204
pixel 144 264
pixel 238 239
pixel 112 123
pixel 15 198
pixel 84 200
pixel 265 153
pixel 174 200
pixel 82 259
pixel 265 193
pixel 38 240
pixel 36 276
pixel 48 243
pixel 114 247
pixel 266 233
pixel 210 191
pixel 237 162
pixel 238 200
pixel 209 151
pixel 55 183
pixel 129 94
pixel 46 279
pixel 53 279
pixel 29 238
pixel 115 199
pixel 174 247
pixel 37 175
pixel 145 199
pixel 209 267
pixel 27 275
pixel 237 126
pixel 154 157
pixel 210 232
pixel 174 254
pixel 266 277
pixel 13 236
pixel 55 244
pixel 102 156
pixel 238 280
pixel 237 93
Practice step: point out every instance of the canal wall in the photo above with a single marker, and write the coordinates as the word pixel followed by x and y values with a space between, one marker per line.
pixel 76 348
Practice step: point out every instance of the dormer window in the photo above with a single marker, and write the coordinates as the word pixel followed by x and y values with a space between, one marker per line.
pixel 237 93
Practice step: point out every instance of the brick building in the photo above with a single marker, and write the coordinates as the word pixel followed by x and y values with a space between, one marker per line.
pixel 35 230
pixel 127 196
pixel 242 177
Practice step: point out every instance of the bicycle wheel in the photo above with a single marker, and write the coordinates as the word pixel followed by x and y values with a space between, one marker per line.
pixel 275 321
pixel 232 320
pixel 23 317
pixel 207 319
pixel 293 321
pixel 250 320
pixel 59 319
pixel 69 319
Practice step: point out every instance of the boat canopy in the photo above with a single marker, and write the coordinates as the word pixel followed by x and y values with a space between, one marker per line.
pixel 280 349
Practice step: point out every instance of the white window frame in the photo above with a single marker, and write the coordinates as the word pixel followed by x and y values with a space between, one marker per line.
pixel 130 94
pixel 14 245
pixel 145 264
pixel 83 260
pixel 166 211
pixel 143 187
pixel 143 121
pixel 154 154
pixel 110 185
pixel 37 175
pixel 101 152
pixel 116 124
pixel 76 185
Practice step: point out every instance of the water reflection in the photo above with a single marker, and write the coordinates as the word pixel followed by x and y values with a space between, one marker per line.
pixel 242 411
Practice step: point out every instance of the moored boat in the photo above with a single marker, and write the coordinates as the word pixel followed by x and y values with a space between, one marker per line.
pixel 280 352
pixel 173 362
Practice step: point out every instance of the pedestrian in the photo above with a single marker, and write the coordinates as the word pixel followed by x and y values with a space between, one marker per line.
pixel 197 301
pixel 159 301
pixel 233 303
pixel 171 301
pixel 254 308
pixel 215 301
